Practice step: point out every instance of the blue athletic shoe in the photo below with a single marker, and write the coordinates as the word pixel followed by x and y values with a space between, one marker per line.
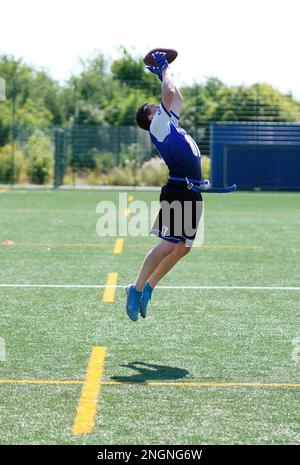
pixel 146 296
pixel 133 302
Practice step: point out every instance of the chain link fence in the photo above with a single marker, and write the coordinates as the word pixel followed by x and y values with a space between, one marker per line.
pixel 91 154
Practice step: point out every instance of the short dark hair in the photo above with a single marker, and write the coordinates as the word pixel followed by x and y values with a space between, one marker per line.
pixel 142 116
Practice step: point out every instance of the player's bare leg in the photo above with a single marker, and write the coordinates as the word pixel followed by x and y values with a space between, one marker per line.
pixel 179 251
pixel 152 261
pixel 135 291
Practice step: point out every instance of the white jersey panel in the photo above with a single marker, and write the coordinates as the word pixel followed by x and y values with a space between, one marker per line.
pixel 160 124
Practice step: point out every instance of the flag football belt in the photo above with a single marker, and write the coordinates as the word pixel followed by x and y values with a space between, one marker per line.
pixel 195 185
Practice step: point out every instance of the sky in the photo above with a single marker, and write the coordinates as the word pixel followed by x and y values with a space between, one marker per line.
pixel 239 42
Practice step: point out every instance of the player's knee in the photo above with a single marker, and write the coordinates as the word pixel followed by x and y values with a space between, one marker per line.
pixel 165 248
pixel 181 249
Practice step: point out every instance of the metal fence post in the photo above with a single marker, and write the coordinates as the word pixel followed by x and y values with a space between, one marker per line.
pixel 59 157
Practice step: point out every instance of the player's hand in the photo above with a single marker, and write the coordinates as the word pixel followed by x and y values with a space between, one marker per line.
pixel 160 59
pixel 156 70
pixel 161 62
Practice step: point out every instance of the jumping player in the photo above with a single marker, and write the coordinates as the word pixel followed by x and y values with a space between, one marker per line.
pixel 180 210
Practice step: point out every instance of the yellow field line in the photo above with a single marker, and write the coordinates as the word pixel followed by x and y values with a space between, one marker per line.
pixel 53 210
pixel 209 246
pixel 109 290
pixel 4 190
pixel 126 212
pixel 38 381
pixel 118 247
pixel 219 385
pixel 70 245
pixel 87 407
pixel 140 245
pixel 212 213
pixel 254 213
pixel 196 384
pixel 232 246
pixel 58 245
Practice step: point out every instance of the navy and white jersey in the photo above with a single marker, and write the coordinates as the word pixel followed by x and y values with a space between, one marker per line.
pixel 175 146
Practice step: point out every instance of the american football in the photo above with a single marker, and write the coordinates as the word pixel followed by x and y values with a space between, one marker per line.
pixel 171 55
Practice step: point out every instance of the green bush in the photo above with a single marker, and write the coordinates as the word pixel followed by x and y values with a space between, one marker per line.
pixel 123 176
pixel 12 165
pixel 154 172
pixel 104 161
pixel 131 153
pixel 40 158
pixel 96 179
pixel 205 167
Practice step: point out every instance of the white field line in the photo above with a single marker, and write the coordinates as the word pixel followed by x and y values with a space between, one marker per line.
pixel 100 286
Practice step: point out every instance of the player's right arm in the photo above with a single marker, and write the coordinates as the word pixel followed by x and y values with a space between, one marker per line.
pixel 168 89
pixel 177 103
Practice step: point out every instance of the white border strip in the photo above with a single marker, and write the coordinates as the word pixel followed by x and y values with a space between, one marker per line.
pixel 100 286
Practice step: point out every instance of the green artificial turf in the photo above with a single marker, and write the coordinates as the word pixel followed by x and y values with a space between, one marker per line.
pixel 202 335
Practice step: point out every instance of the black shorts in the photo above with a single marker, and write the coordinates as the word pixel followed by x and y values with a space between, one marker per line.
pixel 179 214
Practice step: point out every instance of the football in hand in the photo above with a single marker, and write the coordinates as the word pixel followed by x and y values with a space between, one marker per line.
pixel 171 54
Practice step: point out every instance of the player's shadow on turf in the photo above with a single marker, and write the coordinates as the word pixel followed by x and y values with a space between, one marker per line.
pixel 150 372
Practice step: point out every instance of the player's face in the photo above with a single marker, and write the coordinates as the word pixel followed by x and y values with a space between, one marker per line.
pixel 153 109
